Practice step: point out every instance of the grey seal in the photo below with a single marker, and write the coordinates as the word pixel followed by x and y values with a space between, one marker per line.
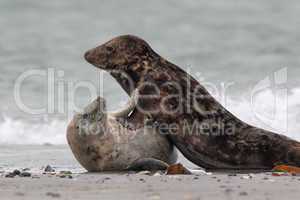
pixel 100 142
pixel 220 139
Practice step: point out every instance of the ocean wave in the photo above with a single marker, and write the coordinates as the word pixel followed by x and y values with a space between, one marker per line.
pixel 21 132
pixel 266 111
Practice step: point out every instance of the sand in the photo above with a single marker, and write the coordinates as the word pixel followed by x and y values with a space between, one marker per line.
pixel 136 186
pixel 218 185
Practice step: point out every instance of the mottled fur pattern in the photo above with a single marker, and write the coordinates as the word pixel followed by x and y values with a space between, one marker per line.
pixel 231 144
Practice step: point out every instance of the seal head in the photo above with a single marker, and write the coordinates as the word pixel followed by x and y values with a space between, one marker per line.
pixel 119 53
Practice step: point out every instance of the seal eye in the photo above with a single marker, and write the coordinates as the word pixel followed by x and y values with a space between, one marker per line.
pixel 109 49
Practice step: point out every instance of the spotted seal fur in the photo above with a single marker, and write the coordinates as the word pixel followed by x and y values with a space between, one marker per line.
pixel 222 142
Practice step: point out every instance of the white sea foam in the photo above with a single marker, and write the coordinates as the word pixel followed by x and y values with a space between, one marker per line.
pixel 262 115
pixel 278 114
pixel 20 132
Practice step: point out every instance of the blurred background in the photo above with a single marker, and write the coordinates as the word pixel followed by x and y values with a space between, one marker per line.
pixel 236 43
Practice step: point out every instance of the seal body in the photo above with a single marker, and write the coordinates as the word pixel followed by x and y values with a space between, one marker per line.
pixel 202 129
pixel 100 143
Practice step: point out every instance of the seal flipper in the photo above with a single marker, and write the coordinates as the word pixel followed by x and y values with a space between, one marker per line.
pixel 149 164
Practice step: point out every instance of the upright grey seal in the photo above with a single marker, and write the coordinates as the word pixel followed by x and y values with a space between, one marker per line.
pixel 101 143
pixel 220 140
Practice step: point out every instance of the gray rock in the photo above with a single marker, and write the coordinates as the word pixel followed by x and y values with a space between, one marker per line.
pixel 48 168
pixel 16 172
pixel 10 175
pixel 25 174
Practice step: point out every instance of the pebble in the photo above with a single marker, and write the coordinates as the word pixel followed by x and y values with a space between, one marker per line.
pixel 61 176
pixel 53 195
pixel 243 194
pixel 35 176
pixel 48 168
pixel 105 179
pixel 16 172
pixel 232 174
pixel 142 180
pixel 25 174
pixel 10 175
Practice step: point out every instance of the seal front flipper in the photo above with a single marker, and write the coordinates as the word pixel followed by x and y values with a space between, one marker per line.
pixel 149 164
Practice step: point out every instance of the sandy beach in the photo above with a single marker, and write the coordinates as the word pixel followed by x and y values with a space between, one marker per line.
pixel 135 186
pixel 127 185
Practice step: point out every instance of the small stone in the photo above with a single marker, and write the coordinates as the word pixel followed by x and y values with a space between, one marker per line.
pixel 48 168
pixel 252 175
pixel 25 174
pixel 142 180
pixel 243 194
pixel 105 179
pixel 232 175
pixel 10 175
pixel 16 172
pixel 53 195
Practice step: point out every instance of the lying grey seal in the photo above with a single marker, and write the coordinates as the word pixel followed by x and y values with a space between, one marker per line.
pixel 101 143
pixel 220 140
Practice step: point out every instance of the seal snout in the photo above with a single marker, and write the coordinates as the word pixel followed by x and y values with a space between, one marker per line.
pixel 88 56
